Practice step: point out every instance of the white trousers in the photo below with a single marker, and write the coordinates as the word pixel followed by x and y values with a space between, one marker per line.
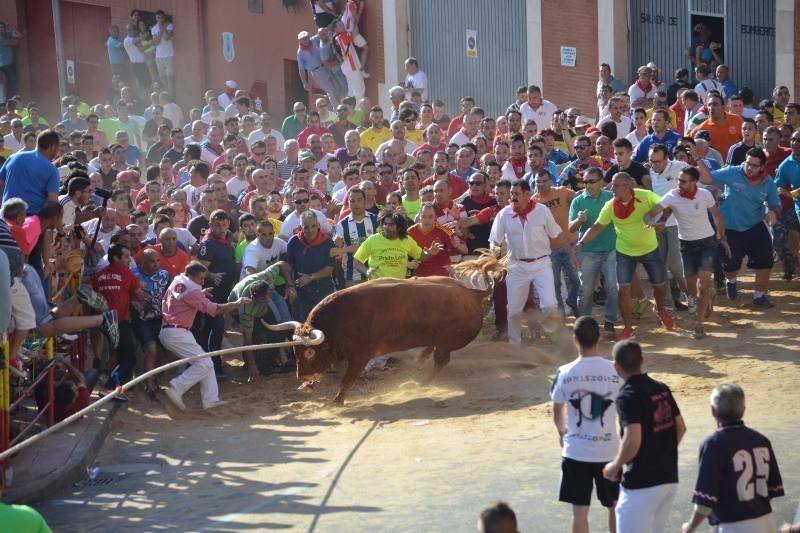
pixel 355 80
pixel 762 524
pixel 181 342
pixel 644 510
pixel 518 281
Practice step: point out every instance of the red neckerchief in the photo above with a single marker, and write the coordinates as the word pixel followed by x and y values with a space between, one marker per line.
pixel 690 196
pixel 210 236
pixel 442 211
pixel 622 211
pixel 523 215
pixel 758 179
pixel 308 245
pixel 644 88
pixel 519 166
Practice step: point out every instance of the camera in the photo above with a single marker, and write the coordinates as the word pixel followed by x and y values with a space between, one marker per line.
pixel 103 193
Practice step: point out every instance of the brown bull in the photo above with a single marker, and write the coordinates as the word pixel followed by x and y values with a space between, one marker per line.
pixel 382 316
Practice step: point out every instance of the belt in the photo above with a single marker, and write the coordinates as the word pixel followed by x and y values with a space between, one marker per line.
pixel 534 259
pixel 168 326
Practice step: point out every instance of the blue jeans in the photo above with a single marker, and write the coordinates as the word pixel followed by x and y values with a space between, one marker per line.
pixel 561 260
pixel 652 263
pixel 592 264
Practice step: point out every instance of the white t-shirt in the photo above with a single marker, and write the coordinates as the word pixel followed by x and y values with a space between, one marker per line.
pixel 12 143
pixel 410 147
pixel 418 81
pixel 624 126
pixel 667 181
pixel 235 186
pixel 134 54
pixel 706 85
pixel 541 116
pixel 259 135
pixel 292 222
pixel 634 138
pixel 103 238
pixel 165 47
pixel 589 386
pixel 184 236
pixel 692 215
pixel 636 93
pixel 259 258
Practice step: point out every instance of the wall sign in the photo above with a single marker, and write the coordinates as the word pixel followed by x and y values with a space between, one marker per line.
pixel 568 56
pixel 228 50
pixel 472 43
pixel 71 71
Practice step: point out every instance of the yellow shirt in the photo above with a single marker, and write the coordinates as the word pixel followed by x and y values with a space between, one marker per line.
pixel 634 238
pixel 673 120
pixel 415 136
pixel 388 257
pixel 372 138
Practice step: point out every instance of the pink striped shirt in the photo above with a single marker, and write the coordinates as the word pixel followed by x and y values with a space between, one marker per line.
pixel 183 300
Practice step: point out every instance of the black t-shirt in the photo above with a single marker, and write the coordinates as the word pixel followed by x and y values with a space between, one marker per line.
pixel 739 154
pixel 221 260
pixel 738 474
pixel 198 226
pixel 636 170
pixel 643 400
pixel 480 232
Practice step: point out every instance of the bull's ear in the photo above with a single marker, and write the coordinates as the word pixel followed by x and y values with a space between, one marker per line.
pixel 309 353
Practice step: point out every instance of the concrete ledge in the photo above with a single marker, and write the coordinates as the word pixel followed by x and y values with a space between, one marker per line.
pixel 60 460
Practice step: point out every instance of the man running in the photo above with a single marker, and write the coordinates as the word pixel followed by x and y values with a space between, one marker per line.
pixel 698 240
pixel 636 244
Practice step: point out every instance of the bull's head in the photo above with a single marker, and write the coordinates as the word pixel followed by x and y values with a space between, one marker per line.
pixel 310 366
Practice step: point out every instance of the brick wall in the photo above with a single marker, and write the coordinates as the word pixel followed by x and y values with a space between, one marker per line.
pixel 570 23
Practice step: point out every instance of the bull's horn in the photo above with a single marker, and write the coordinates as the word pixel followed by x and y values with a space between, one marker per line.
pixel 282 326
pixel 316 338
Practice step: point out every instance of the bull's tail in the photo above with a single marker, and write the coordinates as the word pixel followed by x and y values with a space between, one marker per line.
pixel 481 273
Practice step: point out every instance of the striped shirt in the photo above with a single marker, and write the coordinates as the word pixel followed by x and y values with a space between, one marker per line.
pixel 355 233
pixel 285 168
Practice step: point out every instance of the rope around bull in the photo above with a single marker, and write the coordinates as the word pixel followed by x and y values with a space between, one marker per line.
pixel 316 338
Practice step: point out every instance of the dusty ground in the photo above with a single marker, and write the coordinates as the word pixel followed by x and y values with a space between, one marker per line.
pixel 403 457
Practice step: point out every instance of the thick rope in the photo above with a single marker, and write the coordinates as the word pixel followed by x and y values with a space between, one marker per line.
pixel 319 338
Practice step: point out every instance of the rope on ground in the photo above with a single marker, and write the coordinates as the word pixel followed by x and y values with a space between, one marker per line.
pixel 316 338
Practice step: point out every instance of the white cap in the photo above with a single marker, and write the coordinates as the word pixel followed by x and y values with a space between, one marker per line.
pixel 651 65
pixel 231 84
pixel 303 35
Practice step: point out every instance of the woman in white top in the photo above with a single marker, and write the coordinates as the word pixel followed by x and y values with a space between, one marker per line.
pixel 640 125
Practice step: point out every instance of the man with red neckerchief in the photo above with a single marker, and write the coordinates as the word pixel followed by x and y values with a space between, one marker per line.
pixel 476 201
pixel 441 172
pixel 698 239
pixel 446 208
pixel 433 140
pixel 636 244
pixel 527 228
pixel 517 165
pixel 642 91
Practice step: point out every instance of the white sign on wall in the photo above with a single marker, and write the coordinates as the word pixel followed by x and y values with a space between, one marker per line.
pixel 568 55
pixel 71 71
pixel 228 50
pixel 472 43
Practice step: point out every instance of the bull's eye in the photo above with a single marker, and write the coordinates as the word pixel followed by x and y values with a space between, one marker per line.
pixel 309 353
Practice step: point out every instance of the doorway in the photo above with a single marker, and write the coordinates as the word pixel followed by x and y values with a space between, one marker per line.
pixel 716 27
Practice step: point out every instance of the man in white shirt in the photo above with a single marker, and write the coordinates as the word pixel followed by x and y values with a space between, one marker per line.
pixel 263 251
pixel 215 111
pixel 527 227
pixel 415 79
pixel 472 124
pixel 536 108
pixel 583 397
pixel 616 124
pixel 705 82
pixel 136 57
pixel 266 129
pixel 13 140
pixel 301 198
pixel 689 205
pixel 643 89
pixel 163 36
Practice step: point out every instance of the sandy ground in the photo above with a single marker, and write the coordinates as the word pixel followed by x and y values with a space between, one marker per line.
pixel 405 457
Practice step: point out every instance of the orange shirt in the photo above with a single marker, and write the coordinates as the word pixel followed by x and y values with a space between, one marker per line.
pixel 558 200
pixel 723 135
pixel 174 265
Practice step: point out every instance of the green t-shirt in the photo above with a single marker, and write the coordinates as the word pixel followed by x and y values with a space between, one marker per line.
pixel 634 238
pixel 606 241
pixel 412 207
pixel 238 252
pixel 250 312
pixel 389 257
pixel 21 519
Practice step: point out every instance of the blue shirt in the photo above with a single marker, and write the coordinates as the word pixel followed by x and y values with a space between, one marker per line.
pixel 466 175
pixel 116 54
pixel 132 155
pixel 6 51
pixel 531 179
pixel 670 140
pixel 309 58
pixel 154 288
pixel 558 157
pixel 729 88
pixel 788 177
pixel 30 176
pixel 744 202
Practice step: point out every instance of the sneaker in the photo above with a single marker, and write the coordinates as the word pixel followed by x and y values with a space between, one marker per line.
pixel 730 290
pixel 762 302
pixel 175 397
pixel 665 318
pixel 573 310
pixel 627 334
pixel 88 297
pixel 214 404
pixel 680 306
pixel 110 328
pixel 120 397
pixel 608 328
pixel 692 305
pixel 699 332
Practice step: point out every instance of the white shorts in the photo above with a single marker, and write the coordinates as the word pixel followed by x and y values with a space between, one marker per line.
pixel 645 510
pixel 762 524
pixel 165 66
pixel 21 307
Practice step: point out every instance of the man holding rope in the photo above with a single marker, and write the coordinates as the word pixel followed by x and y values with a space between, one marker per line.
pixel 185 297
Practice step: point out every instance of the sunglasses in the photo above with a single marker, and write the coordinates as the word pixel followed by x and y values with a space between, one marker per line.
pixel 301 201
pixel 259 154
pixel 475 183
pixel 581 147
pixel 589 182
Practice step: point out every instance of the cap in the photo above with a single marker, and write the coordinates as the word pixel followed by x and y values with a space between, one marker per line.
pixel 303 35
pixel 703 134
pixel 592 131
pixel 341 108
pixel 305 155
pixel 582 122
pixel 651 65
pixel 644 70
pixel 230 84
